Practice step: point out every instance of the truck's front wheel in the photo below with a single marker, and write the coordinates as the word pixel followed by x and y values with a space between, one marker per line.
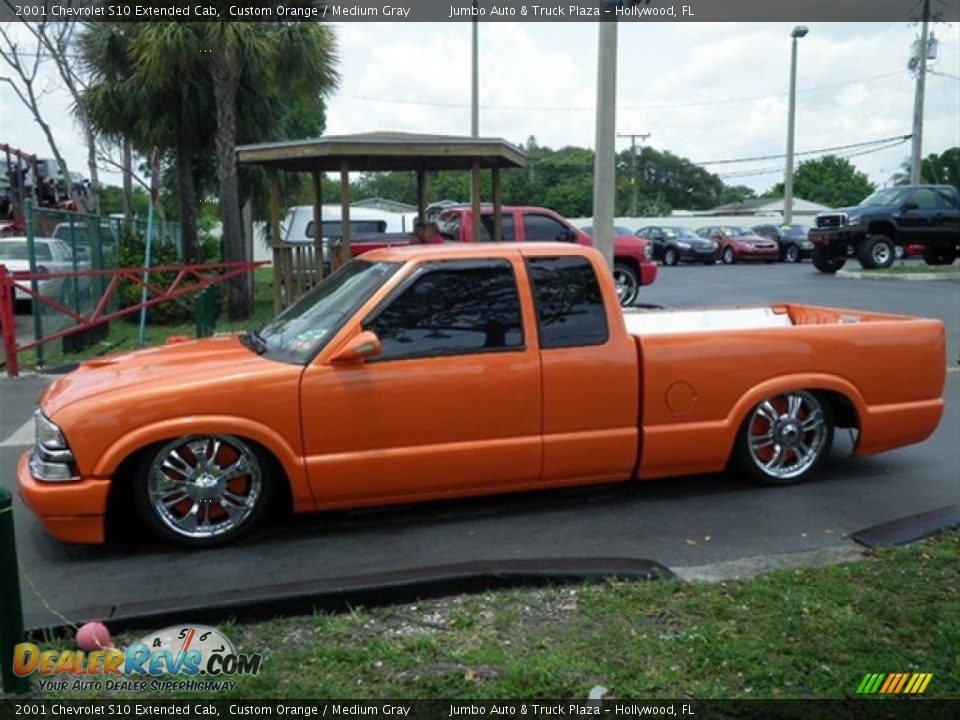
pixel 627 282
pixel 784 438
pixel 826 261
pixel 876 251
pixel 203 489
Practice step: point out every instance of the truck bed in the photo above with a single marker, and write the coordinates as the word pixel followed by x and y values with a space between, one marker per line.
pixel 704 368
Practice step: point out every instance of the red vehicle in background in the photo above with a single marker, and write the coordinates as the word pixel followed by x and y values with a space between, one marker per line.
pixel 633 265
pixel 738 243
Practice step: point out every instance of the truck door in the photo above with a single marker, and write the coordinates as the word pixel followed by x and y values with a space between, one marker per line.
pixel 949 220
pixel 918 219
pixel 590 372
pixel 450 406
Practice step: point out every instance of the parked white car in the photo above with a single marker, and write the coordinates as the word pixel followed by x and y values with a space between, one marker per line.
pixel 52 256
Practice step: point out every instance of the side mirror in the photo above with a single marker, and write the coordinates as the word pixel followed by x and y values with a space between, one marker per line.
pixel 567 236
pixel 363 346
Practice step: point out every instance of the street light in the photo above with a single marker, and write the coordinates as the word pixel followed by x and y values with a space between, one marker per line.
pixel 798 32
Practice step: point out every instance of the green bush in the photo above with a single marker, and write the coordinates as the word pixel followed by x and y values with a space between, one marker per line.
pixel 131 255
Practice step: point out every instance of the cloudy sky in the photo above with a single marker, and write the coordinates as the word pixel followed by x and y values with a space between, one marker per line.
pixel 711 91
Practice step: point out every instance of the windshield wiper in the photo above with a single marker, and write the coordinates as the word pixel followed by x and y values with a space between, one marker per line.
pixel 253 340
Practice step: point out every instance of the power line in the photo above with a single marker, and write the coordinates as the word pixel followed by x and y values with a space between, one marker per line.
pixel 779 169
pixel 898 138
pixel 556 108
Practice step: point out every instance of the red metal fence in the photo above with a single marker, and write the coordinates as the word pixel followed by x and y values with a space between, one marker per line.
pixel 188 279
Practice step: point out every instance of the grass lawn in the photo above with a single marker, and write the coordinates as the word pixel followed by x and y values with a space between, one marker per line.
pixel 810 633
pixel 124 333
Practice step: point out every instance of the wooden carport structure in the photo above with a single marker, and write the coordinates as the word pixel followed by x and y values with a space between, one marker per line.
pixel 300 265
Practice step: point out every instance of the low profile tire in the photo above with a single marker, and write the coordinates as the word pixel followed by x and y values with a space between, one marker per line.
pixel 670 256
pixel 825 261
pixel 729 257
pixel 203 490
pixel 791 254
pixel 784 438
pixel 627 282
pixel 876 251
pixel 939 256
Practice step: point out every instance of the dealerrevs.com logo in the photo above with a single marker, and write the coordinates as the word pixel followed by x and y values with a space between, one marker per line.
pixel 186 657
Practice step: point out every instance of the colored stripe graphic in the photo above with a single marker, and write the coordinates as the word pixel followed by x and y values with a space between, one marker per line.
pixel 894 683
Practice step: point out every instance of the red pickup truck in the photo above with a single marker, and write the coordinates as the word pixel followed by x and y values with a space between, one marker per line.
pixel 633 256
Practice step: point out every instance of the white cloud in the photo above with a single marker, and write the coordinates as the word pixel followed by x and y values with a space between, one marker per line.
pixel 416 77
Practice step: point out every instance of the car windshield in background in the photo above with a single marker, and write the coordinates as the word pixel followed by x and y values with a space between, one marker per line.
pixel 679 232
pixel 736 232
pixel 794 230
pixel 887 196
pixel 18 251
pixel 301 330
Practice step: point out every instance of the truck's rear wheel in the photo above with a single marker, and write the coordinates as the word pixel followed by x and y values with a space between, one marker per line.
pixel 826 261
pixel 939 256
pixel 876 251
pixel 784 438
pixel 627 282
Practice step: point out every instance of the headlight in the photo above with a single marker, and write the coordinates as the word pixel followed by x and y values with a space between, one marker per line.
pixel 806 245
pixel 648 251
pixel 52 460
pixel 853 220
pixel 683 245
pixel 48 435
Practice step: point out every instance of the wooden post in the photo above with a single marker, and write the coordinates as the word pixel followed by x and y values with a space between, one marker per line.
pixel 345 211
pixel 318 224
pixel 422 196
pixel 497 218
pixel 278 264
pixel 475 199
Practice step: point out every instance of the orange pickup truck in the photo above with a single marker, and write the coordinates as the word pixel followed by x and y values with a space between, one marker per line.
pixel 438 371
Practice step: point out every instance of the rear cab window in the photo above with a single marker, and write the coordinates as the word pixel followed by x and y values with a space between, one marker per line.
pixel 570 306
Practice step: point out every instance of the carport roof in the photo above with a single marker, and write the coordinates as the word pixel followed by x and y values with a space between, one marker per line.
pixel 374 151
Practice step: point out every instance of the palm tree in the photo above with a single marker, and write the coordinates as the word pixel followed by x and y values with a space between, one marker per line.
pixel 259 71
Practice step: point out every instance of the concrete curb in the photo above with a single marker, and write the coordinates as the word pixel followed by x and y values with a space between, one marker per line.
pixel 750 567
pixel 909 277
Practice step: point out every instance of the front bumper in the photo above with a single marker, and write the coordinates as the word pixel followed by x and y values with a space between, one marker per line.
pixel 696 255
pixel 825 236
pixel 70 511
pixel 756 254
pixel 648 273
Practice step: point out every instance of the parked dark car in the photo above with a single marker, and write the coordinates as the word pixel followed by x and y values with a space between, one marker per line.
pixel 672 245
pixel 739 243
pixel 791 239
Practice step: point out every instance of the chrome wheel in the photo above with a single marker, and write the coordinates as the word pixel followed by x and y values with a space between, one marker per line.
pixel 881 254
pixel 205 487
pixel 787 434
pixel 728 256
pixel 627 284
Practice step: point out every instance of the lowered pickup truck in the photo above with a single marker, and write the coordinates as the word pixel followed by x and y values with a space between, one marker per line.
pixel 440 371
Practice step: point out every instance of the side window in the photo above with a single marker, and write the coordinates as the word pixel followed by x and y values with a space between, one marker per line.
pixel 924 198
pixel 950 201
pixel 570 309
pixel 452 309
pixel 486 227
pixel 541 228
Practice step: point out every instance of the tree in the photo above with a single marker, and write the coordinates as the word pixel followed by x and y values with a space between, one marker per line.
pixel 935 169
pixel 830 180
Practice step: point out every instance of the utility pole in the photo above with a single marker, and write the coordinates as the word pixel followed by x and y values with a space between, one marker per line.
pixel 605 159
pixel 633 166
pixel 798 32
pixel 916 155
pixel 475 120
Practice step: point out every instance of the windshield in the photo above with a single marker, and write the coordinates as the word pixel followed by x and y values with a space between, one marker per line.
pixel 736 232
pixel 17 250
pixel 887 196
pixel 680 232
pixel 301 330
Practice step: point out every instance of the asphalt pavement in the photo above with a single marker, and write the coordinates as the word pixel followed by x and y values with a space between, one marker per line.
pixel 679 522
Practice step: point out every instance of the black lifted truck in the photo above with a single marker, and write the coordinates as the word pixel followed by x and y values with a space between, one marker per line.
pixel 883 224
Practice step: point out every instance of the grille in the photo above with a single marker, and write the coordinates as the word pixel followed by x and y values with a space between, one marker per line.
pixel 831 221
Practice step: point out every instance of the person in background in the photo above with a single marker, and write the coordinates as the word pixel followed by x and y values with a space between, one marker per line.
pixel 427 234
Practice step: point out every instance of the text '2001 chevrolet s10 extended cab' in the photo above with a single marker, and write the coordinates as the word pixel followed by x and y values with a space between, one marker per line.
pixel 440 371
